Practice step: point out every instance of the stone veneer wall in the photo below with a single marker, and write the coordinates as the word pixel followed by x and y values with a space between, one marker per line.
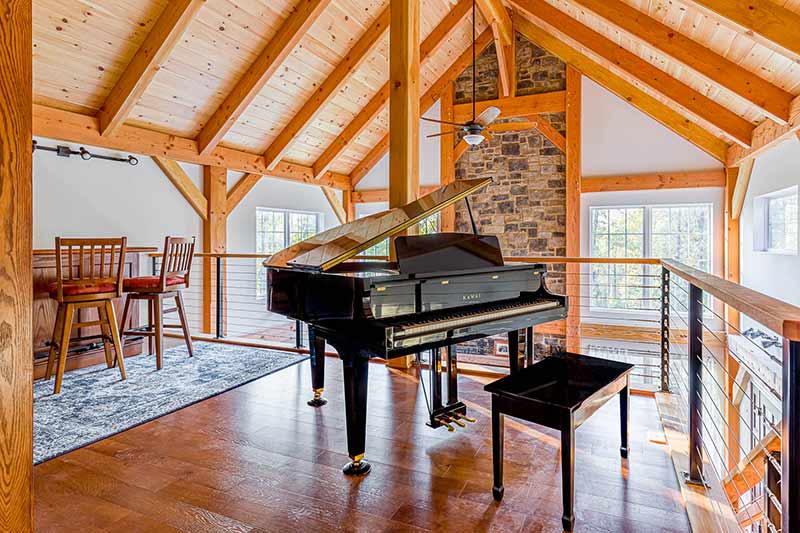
pixel 525 206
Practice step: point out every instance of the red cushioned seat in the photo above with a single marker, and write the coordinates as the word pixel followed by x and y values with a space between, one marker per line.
pixel 80 288
pixel 150 282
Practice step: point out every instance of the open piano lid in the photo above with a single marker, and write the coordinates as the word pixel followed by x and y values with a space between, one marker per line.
pixel 325 250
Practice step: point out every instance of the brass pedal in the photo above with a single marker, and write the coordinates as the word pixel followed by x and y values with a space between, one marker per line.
pixel 456 421
pixel 443 420
pixel 465 418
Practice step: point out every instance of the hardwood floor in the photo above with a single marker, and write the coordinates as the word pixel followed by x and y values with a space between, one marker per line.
pixel 259 459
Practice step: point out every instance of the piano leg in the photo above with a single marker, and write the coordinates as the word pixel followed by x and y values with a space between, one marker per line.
pixel 356 373
pixel 436 379
pixel 316 347
pixel 513 351
pixel 452 375
pixel 529 344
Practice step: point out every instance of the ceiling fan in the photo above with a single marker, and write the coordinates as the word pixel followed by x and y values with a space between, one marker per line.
pixel 474 127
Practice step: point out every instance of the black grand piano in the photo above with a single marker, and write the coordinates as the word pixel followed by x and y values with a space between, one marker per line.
pixel 444 289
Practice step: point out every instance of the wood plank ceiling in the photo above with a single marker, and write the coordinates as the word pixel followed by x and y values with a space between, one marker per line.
pixel 304 82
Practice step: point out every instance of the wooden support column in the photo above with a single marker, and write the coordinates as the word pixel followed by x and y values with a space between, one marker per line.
pixel 403 111
pixel 349 206
pixel 447 169
pixel 215 237
pixel 16 281
pixel 573 229
pixel 732 447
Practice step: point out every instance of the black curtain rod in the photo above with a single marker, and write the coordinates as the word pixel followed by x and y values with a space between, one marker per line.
pixel 66 151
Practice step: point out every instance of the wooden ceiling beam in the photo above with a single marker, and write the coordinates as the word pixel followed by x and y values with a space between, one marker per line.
pixel 766 136
pixel 662 180
pixel 531 104
pixel 382 195
pixel 655 109
pixel 312 107
pixel 184 184
pixel 740 190
pixel 769 23
pixel 376 104
pixel 241 189
pixel 696 103
pixel 155 49
pixel 772 100
pixel 427 100
pixel 335 203
pixel 84 129
pixel 266 64
pixel 503 31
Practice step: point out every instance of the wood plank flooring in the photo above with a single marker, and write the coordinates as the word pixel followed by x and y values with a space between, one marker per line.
pixel 259 459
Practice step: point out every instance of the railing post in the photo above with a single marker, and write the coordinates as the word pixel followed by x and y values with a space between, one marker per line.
pixel 298 334
pixel 220 296
pixel 664 330
pixel 695 333
pixel 790 441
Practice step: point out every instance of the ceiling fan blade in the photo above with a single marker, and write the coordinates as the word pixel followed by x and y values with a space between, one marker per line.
pixel 443 122
pixel 488 116
pixel 440 134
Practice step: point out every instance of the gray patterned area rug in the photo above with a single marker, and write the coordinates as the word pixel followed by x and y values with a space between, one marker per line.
pixel 94 403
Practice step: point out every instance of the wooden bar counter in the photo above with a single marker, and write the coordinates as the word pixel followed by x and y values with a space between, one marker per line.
pixel 44 315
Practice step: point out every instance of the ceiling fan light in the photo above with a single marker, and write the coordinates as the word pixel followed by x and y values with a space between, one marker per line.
pixel 473 139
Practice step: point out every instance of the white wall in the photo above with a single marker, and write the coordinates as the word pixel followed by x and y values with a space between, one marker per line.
pixel 770 273
pixel 617 139
pixel 378 177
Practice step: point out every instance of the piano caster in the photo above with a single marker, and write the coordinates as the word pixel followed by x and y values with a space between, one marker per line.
pixel 317 400
pixel 497 493
pixel 357 467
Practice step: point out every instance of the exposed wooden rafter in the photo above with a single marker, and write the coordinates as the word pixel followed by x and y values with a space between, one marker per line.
pixel 376 104
pixel 768 22
pixel 74 127
pixel 766 136
pixel 250 84
pixel 335 203
pixel 184 184
pixel 696 103
pixel 309 111
pixel 382 195
pixel 771 99
pixel 503 31
pixel 427 100
pixel 158 44
pixel 516 106
pixel 740 190
pixel 658 111
pixel 662 180
pixel 241 189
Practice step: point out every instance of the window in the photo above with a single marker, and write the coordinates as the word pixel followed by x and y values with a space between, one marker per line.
pixel 277 229
pixel 775 222
pixel 681 232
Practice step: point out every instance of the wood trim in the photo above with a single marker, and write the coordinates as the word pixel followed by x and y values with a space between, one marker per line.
pixel 664 180
pixel 373 108
pixel 740 190
pixel 766 136
pixel 516 106
pixel 777 315
pixel 712 145
pixel 496 15
pixel 16 282
pixel 263 68
pixel 658 80
pixel 629 333
pixel 215 236
pixel 184 184
pixel 74 127
pixel 769 23
pixel 427 100
pixel 553 135
pixel 573 215
pixel 326 90
pixel 155 49
pixel 447 164
pixel 507 65
pixel 503 32
pixel 335 203
pixel 732 243
pixel 349 206
pixel 367 196
pixel 241 189
pixel 771 99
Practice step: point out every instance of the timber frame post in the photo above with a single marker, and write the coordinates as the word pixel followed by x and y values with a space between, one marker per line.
pixel 16 281
pixel 573 229
pixel 447 169
pixel 215 239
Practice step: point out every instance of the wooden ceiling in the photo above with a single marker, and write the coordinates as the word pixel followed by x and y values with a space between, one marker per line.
pixel 298 88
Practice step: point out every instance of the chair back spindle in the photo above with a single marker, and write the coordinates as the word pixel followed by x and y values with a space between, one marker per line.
pixel 82 266
pixel 177 260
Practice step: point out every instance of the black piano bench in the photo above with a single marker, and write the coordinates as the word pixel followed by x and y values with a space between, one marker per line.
pixel 560 392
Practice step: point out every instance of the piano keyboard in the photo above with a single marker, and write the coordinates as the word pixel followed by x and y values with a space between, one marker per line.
pixel 471 317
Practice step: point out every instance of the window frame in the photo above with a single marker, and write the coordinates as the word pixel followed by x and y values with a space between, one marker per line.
pixel 761 227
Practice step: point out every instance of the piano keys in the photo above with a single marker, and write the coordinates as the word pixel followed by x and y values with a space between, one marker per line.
pixel 444 289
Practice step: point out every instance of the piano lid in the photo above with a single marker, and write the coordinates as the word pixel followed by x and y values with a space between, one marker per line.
pixel 329 248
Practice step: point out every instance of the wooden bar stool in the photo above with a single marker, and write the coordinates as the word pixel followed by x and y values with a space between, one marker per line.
pixel 92 279
pixel 176 264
